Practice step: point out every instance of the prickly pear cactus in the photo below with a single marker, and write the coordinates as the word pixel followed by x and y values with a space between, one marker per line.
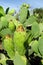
pixel 23 14
pixel 11 12
pixel 4 22
pixel 19 39
pixel 5 31
pixel 12 26
pixel 41 46
pixel 8 46
pixel 34 46
pixel 19 60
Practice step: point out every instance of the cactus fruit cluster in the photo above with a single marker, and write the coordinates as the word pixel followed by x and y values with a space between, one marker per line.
pixel 21 37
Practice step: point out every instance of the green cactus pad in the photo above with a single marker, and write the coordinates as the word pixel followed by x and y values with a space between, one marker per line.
pixel 40 46
pixel 19 39
pixel 8 46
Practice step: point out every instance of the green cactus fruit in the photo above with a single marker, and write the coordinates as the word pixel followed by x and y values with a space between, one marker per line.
pixel 12 26
pixel 24 5
pixel 11 12
pixel 17 23
pixel 19 39
pixel 23 14
pixel 27 5
pixel 8 46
